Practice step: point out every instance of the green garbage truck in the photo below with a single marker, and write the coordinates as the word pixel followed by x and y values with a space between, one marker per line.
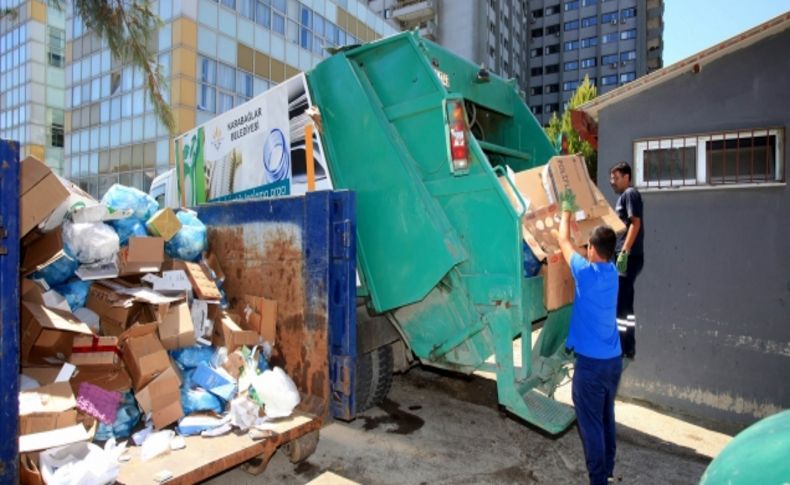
pixel 423 138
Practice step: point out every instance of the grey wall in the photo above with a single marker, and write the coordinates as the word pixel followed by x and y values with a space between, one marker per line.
pixel 713 301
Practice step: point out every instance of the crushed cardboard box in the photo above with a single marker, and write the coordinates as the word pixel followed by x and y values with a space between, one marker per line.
pixel 142 255
pixel 143 354
pixel 46 408
pixel 91 351
pixel 176 329
pixel 260 314
pixel 42 252
pixel 47 334
pixel 202 284
pixel 162 397
pixel 164 224
pixel 228 333
pixel 40 193
pixel 115 310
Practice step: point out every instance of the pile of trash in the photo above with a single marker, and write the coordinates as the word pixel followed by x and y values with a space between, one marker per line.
pixel 126 334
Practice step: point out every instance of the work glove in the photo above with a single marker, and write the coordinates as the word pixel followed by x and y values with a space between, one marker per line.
pixel 568 202
pixel 622 262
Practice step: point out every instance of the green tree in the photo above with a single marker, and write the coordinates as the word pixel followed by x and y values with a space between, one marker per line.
pixel 128 26
pixel 560 128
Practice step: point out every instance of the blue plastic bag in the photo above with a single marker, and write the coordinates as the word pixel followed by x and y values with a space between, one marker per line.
pixel 196 399
pixel 120 197
pixel 531 263
pixel 190 241
pixel 191 357
pixel 75 292
pixel 59 270
pixel 125 420
pixel 129 227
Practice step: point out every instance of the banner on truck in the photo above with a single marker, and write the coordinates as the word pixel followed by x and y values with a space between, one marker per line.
pixel 255 150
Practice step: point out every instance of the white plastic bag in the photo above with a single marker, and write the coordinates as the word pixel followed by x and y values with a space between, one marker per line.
pixel 91 242
pixel 277 391
pixel 156 444
pixel 243 413
pixel 81 464
pixel 77 199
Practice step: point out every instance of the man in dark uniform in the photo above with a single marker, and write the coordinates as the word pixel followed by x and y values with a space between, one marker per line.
pixel 630 252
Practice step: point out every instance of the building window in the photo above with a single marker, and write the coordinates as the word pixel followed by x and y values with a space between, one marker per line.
pixel 551 108
pixel 609 80
pixel 628 34
pixel 571 66
pixel 627 56
pixel 536 90
pixel 571 45
pixel 570 85
pixel 610 60
pixel 536 14
pixel 609 17
pixel 737 157
pixel 627 77
pixel 606 38
pixel 553 10
pixel 552 49
pixel 589 42
pixel 571 25
pixel 536 109
pixel 553 29
pixel 536 71
pixel 551 69
pixel 571 5
pixel 551 88
pixel 589 21
pixel 536 52
pixel 628 13
pixel 536 33
pixel 587 3
pixel 56 47
pixel 589 62
pixel 55 135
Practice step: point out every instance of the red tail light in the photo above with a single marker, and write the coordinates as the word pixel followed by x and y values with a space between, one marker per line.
pixel 459 148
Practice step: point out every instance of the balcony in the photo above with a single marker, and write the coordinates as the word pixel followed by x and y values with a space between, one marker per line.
pixel 428 30
pixel 412 12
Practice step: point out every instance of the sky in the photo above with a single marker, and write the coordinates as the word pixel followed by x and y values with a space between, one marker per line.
pixel 691 26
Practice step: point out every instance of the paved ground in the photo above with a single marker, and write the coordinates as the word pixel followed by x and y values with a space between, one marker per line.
pixel 438 428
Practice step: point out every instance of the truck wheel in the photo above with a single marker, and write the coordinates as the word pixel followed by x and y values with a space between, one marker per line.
pixel 374 377
pixel 301 448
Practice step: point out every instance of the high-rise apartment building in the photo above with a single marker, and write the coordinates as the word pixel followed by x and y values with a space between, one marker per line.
pixel 491 33
pixel 611 41
pixel 215 55
pixel 32 61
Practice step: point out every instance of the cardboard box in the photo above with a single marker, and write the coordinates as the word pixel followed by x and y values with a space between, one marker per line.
pixel 46 408
pixel 176 329
pixel 215 381
pixel 115 310
pixel 47 334
pixel 202 318
pixel 114 378
pixel 260 315
pixel 42 252
pixel 172 281
pixel 40 193
pixel 95 351
pixel 213 265
pixel 202 284
pixel 228 333
pixel 164 224
pixel 558 284
pixel 162 397
pixel 143 354
pixel 530 186
pixel 141 255
pixel 235 364
pixel 570 172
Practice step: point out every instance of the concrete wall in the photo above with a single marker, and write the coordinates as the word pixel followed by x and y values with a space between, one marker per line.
pixel 713 301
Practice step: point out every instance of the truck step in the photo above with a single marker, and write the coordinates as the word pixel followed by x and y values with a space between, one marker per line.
pixel 546 413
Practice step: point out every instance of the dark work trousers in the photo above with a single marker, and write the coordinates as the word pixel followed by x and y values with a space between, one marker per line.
pixel 625 294
pixel 594 388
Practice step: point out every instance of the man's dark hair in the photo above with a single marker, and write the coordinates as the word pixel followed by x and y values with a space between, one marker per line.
pixel 603 240
pixel 623 168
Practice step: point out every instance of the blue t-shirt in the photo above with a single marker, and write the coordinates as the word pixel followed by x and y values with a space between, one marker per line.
pixel 593 332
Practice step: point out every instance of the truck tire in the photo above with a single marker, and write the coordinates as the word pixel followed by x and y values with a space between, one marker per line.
pixel 300 449
pixel 373 377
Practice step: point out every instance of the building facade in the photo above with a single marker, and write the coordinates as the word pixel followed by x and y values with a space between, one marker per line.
pixel 612 42
pixel 711 163
pixel 491 33
pixel 32 79
pixel 215 55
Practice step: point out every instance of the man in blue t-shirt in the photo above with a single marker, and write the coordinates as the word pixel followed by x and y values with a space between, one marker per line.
pixel 593 336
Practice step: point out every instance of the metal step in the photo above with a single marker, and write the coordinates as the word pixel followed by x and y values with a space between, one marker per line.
pixel 546 413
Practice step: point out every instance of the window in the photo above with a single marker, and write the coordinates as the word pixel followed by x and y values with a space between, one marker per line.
pixel 247 8
pixel 536 33
pixel 278 24
pixel 56 47
pixel 552 49
pixel 571 45
pixel 627 77
pixel 737 157
pixel 628 13
pixel 571 66
pixel 571 25
pixel 551 88
pixel 536 14
pixel 536 71
pixel 609 80
pixel 537 52
pixel 263 13
pixel 536 109
pixel 229 3
pixel 553 10
pixel 551 69
pixel 570 85
pixel 571 5
pixel 589 21
pixel 589 62
pixel 551 108
pixel 553 29
pixel 587 3
pixel 534 91
pixel 608 60
pixel 55 138
pixel 627 56
pixel 606 38
pixel 628 34
pixel 609 17
pixel 589 42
